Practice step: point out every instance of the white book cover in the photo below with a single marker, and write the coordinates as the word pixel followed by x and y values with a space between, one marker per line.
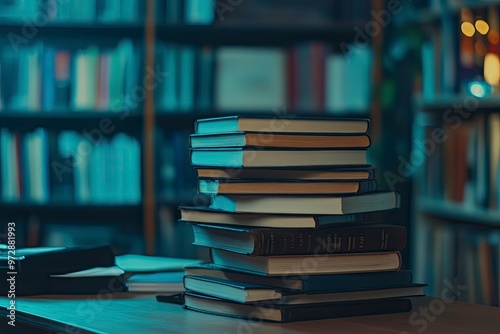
pixel 250 78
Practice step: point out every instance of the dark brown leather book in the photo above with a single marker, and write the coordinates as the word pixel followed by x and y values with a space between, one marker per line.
pixel 272 241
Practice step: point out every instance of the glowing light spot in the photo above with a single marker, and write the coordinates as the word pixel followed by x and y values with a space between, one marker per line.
pixel 492 69
pixel 482 27
pixel 467 29
pixel 477 89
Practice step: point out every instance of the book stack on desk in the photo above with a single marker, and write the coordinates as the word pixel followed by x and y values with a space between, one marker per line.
pixel 290 224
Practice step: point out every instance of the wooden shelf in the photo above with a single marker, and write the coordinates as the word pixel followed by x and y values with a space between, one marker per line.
pixel 70 212
pixel 469 104
pixel 458 212
pixel 251 34
pixel 30 120
pixel 71 30
pixel 182 199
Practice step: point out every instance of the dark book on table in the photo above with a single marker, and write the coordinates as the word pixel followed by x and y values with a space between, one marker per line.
pixel 86 282
pixel 258 157
pixel 307 283
pixel 272 241
pixel 250 292
pixel 283 187
pixel 262 139
pixel 302 204
pixel 308 264
pixel 281 124
pixel 289 313
pixel 212 216
pixel 339 173
pixel 55 260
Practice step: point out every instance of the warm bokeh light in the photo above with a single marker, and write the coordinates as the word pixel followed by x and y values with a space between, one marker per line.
pixel 492 69
pixel 493 37
pixel 468 29
pixel 482 27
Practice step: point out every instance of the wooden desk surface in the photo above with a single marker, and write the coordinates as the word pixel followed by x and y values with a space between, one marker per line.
pixel 132 313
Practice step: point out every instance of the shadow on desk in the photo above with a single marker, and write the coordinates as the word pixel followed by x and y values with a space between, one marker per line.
pixel 139 313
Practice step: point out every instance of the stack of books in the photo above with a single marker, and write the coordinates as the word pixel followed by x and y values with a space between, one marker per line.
pixel 290 224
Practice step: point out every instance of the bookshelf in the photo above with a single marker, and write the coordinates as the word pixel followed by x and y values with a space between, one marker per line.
pixel 148 123
pixel 455 138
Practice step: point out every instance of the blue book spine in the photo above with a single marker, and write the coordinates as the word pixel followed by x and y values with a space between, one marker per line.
pixel 48 80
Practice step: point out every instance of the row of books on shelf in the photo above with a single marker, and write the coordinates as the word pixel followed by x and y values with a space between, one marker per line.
pixel 285 206
pixel 307 76
pixel 41 166
pixel 57 78
pixel 464 165
pixel 176 178
pixel 39 13
pixel 461 57
pixel 273 11
pixel 459 256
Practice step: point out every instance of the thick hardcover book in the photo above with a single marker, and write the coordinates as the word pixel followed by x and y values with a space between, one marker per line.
pixel 289 313
pixel 231 290
pixel 262 139
pixel 110 280
pixel 211 216
pixel 317 264
pixel 272 241
pixel 312 283
pixel 284 187
pixel 249 292
pixel 281 124
pixel 255 157
pixel 302 204
pixel 55 260
pixel 340 173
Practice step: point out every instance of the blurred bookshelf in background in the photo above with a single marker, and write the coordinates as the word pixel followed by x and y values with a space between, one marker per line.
pixel 456 140
pixel 73 92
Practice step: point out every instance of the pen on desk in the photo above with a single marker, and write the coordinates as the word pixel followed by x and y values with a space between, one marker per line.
pixel 177 298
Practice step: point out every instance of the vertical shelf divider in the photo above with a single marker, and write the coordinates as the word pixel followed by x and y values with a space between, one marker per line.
pixel 149 128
